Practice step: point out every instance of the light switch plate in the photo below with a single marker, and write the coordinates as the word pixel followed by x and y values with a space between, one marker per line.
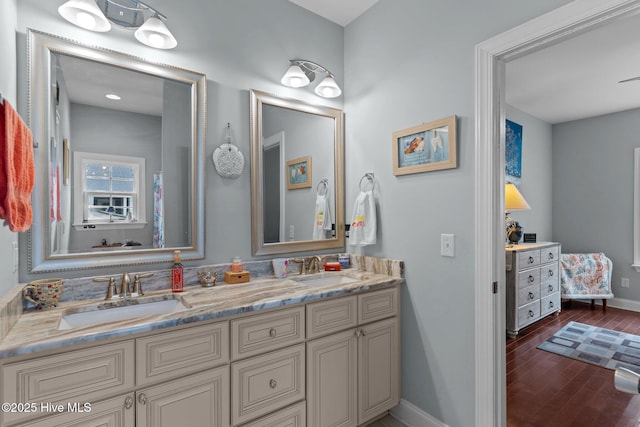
pixel 447 245
pixel 624 282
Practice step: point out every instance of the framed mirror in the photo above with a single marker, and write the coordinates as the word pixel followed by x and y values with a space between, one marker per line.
pixel 119 151
pixel 297 175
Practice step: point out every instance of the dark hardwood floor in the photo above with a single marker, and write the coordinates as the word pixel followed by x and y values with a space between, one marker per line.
pixel 545 389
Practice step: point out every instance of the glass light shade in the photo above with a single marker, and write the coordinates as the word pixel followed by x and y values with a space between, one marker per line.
pixel 154 33
pixel 513 199
pixel 328 88
pixel 295 77
pixel 85 14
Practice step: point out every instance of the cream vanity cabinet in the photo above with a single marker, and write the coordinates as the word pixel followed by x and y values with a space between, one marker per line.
pixel 149 381
pixel 532 282
pixel 352 358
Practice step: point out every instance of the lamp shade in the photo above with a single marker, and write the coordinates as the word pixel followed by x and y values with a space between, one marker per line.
pixel 328 88
pixel 85 14
pixel 513 199
pixel 295 77
pixel 154 33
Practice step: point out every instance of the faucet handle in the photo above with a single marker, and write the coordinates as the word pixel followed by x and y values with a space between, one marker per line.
pixel 111 287
pixel 302 263
pixel 136 291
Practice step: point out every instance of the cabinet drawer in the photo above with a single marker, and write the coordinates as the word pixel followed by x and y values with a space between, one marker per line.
pixel 528 278
pixel 377 305
pixel 528 295
pixel 549 287
pixel 293 416
pixel 529 258
pixel 549 272
pixel 331 316
pixel 265 332
pixel 178 353
pixel 549 304
pixel 77 376
pixel 267 383
pixel 549 254
pixel 528 313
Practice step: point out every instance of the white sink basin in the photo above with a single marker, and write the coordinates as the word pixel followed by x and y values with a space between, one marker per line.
pixel 325 280
pixel 103 313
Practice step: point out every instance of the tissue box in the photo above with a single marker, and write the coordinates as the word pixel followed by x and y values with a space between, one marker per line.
pixel 331 266
pixel 241 277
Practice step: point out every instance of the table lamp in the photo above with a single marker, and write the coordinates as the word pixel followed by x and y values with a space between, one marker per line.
pixel 513 201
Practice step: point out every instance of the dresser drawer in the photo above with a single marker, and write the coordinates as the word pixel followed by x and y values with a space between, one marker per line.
pixel 549 304
pixel 549 287
pixel 528 295
pixel 265 332
pixel 331 316
pixel 529 278
pixel 266 383
pixel 178 353
pixel 293 416
pixel 528 313
pixel 549 272
pixel 78 376
pixel 549 254
pixel 377 305
pixel 529 258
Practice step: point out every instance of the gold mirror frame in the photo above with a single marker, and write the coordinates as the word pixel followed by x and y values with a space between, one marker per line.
pixel 258 99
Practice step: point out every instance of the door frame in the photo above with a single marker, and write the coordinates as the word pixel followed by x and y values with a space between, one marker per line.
pixel 490 58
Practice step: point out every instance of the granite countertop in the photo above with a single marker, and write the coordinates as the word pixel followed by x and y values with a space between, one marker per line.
pixel 38 330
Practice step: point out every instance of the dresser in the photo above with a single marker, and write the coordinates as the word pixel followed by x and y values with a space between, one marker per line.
pixel 532 283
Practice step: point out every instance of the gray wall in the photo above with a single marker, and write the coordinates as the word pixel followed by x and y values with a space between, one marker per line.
pixel 8 86
pixel 537 181
pixel 593 191
pixel 408 62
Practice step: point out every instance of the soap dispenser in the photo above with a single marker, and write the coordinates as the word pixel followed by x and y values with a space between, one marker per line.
pixel 177 284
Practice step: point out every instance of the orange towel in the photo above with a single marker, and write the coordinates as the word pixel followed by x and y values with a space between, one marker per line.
pixel 17 169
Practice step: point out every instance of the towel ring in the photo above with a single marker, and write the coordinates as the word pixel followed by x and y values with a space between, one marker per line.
pixel 370 177
pixel 326 187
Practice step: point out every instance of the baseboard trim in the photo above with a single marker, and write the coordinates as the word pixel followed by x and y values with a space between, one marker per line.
pixel 413 416
pixel 624 304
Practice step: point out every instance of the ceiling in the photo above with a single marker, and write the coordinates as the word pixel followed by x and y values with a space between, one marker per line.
pixel 578 78
pixel 342 12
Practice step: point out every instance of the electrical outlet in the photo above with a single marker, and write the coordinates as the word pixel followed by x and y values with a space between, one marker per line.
pixel 624 282
pixel 447 245
pixel 292 232
pixel 14 246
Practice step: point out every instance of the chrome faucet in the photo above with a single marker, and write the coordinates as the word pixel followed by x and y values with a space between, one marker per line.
pixel 125 291
pixel 314 264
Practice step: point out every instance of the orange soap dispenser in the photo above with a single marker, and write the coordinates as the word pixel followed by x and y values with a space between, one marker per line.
pixel 177 285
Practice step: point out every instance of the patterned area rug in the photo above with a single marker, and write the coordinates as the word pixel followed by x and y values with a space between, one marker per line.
pixel 599 346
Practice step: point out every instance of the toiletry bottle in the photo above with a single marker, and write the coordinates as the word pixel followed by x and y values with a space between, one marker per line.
pixel 177 284
pixel 236 265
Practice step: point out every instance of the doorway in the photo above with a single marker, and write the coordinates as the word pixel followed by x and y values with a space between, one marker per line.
pixel 491 56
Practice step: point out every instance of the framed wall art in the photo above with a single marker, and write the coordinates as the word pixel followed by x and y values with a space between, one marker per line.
pixel 513 152
pixel 299 173
pixel 426 147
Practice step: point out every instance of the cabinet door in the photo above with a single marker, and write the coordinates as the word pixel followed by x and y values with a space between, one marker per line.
pixel 332 380
pixel 378 369
pixel 200 400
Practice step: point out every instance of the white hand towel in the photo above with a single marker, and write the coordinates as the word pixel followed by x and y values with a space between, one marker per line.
pixel 322 217
pixel 363 225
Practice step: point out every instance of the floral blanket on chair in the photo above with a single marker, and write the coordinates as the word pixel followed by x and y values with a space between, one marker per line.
pixel 585 276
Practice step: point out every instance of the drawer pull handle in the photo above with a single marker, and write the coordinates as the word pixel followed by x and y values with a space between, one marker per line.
pixel 550 304
pixel 273 383
pixel 273 332
pixel 531 279
pixel 550 273
pixel 128 402
pixel 359 333
pixel 550 288
pixel 550 255
pixel 531 313
pixel 531 295
pixel 531 260
pixel 142 398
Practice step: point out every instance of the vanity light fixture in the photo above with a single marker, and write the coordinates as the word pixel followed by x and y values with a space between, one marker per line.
pixel 97 15
pixel 301 72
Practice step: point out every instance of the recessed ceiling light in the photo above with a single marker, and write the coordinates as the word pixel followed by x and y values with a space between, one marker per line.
pixel 113 96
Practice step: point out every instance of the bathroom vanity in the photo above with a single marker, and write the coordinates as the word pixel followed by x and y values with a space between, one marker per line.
pixel 268 352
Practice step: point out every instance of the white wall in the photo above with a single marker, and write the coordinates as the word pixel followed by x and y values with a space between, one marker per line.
pixel 537 181
pixel 409 62
pixel 8 86
pixel 593 191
